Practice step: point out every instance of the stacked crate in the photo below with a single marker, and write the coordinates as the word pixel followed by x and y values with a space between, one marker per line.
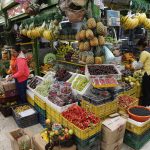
pixel 137 134
pixel 40 106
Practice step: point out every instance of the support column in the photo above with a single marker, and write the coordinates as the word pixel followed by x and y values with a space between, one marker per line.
pixel 36 56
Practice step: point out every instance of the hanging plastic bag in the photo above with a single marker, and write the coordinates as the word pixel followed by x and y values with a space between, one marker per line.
pixel 108 55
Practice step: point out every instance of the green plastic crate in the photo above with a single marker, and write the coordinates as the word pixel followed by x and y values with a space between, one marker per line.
pixel 92 143
pixel 136 141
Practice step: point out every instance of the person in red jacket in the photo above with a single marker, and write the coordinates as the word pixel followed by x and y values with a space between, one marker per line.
pixel 22 73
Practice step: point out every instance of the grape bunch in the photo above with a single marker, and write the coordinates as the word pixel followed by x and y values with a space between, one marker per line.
pixel 62 75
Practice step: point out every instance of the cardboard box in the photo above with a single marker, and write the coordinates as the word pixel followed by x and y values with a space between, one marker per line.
pixel 113 129
pixel 115 146
pixel 39 144
pixel 18 136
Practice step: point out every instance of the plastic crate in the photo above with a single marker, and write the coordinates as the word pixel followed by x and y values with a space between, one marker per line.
pixel 134 103
pixel 40 110
pixel 8 99
pixel 30 100
pixel 6 111
pixel 41 119
pixel 53 114
pixel 137 127
pixel 40 102
pixel 101 110
pixel 92 143
pixel 88 141
pixel 136 141
pixel 131 91
pixel 27 121
pixel 82 134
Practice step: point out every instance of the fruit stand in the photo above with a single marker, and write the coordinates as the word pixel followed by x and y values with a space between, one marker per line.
pixel 85 92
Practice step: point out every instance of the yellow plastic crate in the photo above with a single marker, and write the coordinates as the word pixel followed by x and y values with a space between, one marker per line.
pixel 82 134
pixel 53 114
pixel 139 130
pixel 48 109
pixel 131 91
pixel 30 100
pixel 135 103
pixel 101 110
pixel 40 102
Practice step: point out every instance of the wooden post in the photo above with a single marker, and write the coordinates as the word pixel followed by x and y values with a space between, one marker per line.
pixel 36 56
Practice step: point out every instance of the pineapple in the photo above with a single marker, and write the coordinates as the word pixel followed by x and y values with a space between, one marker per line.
pixel 90 58
pixel 91 23
pixel 100 28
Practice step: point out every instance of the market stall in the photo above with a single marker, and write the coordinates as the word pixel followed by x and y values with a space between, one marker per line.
pixel 83 89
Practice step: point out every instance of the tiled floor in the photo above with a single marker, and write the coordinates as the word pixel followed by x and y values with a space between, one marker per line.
pixel 8 124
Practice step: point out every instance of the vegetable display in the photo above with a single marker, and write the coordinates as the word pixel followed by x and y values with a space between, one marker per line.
pixel 56 134
pixel 125 101
pixel 102 70
pixel 80 83
pixel 44 87
pixel 23 108
pixel 61 94
pixel 62 75
pixel 79 117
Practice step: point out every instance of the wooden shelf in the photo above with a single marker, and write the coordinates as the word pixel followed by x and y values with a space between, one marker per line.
pixel 71 63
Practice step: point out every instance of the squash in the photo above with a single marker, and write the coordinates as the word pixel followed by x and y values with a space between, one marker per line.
pixel 82 34
pixel 98 60
pixel 89 34
pixel 91 23
pixel 101 40
pixel 94 42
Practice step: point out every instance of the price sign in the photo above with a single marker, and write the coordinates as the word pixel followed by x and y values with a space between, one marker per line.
pixel 113 18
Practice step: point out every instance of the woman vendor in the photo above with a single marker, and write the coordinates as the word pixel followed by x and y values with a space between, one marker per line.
pixel 144 64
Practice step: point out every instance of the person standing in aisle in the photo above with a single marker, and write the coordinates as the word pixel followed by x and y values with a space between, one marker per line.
pixel 13 66
pixel 144 64
pixel 22 73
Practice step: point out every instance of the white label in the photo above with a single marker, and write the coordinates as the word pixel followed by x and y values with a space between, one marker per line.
pixel 26 113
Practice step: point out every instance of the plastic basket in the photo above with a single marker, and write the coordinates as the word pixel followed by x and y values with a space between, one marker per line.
pixel 136 141
pixel 137 127
pixel 6 111
pixel 131 91
pixel 87 142
pixel 53 114
pixel 41 119
pixel 30 100
pixel 134 103
pixel 8 99
pixel 101 110
pixel 82 134
pixel 40 101
pixel 27 121
pixel 40 110
pixel 117 76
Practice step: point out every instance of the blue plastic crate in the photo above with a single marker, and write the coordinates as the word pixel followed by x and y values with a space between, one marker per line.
pixel 40 110
pixel 42 119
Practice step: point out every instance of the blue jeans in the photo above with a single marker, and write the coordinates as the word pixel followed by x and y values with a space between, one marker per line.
pixel 21 88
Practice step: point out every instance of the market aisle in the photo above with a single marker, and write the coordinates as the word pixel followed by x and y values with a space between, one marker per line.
pixel 8 124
